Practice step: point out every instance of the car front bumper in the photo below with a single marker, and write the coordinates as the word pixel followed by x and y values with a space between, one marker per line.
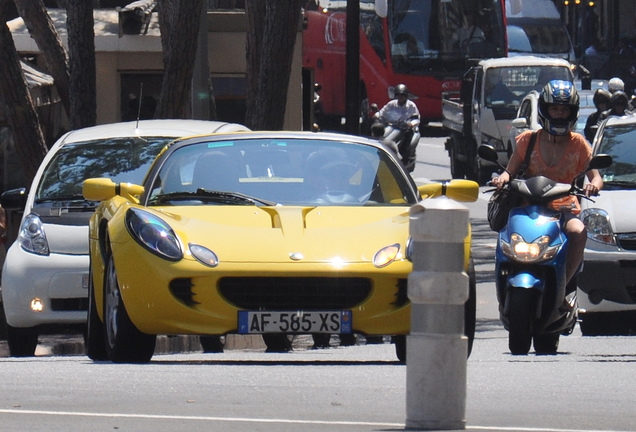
pixel 59 282
pixel 187 298
pixel 608 278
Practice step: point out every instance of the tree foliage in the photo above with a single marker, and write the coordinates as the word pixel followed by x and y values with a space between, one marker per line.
pixel 43 32
pixel 272 29
pixel 179 23
pixel 82 71
pixel 16 102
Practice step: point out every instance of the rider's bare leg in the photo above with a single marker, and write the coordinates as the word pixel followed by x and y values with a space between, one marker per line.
pixel 577 236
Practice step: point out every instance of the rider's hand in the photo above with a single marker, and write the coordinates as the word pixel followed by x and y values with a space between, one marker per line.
pixel 590 189
pixel 500 180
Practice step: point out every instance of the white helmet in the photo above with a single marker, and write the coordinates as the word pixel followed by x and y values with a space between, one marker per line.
pixel 616 84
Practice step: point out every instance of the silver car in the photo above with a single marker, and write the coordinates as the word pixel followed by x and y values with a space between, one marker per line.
pixel 607 284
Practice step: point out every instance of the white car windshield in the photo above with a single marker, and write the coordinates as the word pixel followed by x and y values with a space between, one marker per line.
pixel 124 159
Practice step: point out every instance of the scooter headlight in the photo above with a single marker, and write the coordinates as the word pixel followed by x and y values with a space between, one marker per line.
pixel 537 250
pixel 599 228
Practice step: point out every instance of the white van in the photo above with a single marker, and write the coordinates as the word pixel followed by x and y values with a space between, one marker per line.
pixel 535 28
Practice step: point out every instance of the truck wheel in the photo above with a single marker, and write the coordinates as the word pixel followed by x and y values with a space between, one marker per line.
pixel 484 173
pixel 459 169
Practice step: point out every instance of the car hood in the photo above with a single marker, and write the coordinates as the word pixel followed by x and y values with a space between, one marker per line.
pixel 273 234
pixel 621 206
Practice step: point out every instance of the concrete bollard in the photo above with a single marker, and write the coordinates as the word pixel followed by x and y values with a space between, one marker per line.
pixel 436 348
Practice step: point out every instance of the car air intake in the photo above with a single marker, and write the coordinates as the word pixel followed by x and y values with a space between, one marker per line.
pixel 306 293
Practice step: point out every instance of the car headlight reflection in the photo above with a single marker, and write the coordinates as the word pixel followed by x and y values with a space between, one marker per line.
pixel 32 237
pixel 204 255
pixel 597 222
pixel 520 250
pixel 154 234
pixel 386 255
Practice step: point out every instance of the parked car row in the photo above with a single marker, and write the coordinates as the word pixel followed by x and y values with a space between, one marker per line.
pixel 128 233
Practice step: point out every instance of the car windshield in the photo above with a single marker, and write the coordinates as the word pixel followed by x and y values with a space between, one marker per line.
pixel 620 143
pixel 123 159
pixel 269 171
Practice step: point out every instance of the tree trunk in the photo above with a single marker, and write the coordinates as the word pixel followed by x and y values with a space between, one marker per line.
pixel 17 104
pixel 81 47
pixel 179 23
pixel 269 61
pixel 42 30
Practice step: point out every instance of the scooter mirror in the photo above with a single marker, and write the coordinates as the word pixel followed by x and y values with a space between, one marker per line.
pixel 600 161
pixel 488 153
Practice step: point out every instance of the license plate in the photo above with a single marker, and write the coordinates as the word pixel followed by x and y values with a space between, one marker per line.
pixel 331 322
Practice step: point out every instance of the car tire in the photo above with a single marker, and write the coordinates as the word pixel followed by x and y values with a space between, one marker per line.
pixel 470 307
pixel 124 342
pixel 95 339
pixel 607 323
pixel 277 342
pixel 212 344
pixel 470 317
pixel 22 341
pixel 400 347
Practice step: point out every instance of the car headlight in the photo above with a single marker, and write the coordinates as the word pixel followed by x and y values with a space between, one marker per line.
pixel 204 255
pixel 153 234
pixel 597 222
pixel 520 250
pixel 386 255
pixel 32 237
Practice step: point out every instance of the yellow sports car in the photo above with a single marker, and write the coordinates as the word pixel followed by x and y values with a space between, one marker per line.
pixel 270 233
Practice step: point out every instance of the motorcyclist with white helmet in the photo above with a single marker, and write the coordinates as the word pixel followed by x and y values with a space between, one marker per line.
pixel 402 114
pixel 561 155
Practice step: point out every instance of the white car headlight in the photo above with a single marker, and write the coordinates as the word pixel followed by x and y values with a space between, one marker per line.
pixel 520 250
pixel 154 234
pixel 597 222
pixel 32 237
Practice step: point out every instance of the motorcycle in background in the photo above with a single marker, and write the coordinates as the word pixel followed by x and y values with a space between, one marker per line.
pixel 536 305
pixel 406 136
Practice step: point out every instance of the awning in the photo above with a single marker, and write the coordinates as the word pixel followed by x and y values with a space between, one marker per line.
pixel 41 85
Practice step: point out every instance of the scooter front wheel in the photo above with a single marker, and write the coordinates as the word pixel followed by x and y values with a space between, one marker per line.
pixel 521 303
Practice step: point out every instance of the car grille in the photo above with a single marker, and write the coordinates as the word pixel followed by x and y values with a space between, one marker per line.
pixel 69 304
pixel 626 241
pixel 309 293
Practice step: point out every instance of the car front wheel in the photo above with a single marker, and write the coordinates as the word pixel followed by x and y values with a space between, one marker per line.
pixel 95 343
pixel 22 341
pixel 124 342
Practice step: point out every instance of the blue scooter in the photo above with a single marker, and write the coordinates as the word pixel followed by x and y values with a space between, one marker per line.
pixel 536 305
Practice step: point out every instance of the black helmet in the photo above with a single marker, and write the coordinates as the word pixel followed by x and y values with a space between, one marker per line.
pixel 401 89
pixel 618 97
pixel 558 92
pixel 601 96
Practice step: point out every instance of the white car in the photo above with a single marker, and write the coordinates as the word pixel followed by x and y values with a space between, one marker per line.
pixel 528 119
pixel 45 274
pixel 607 284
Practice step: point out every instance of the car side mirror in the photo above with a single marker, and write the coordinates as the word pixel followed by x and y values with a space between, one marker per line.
pixel 14 199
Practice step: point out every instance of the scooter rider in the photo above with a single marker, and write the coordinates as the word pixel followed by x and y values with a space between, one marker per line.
pixel 559 154
pixel 398 112
pixel 602 103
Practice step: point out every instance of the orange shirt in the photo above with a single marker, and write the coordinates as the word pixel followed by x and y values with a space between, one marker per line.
pixel 574 161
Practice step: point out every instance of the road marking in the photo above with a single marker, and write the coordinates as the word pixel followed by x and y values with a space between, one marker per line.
pixel 282 421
